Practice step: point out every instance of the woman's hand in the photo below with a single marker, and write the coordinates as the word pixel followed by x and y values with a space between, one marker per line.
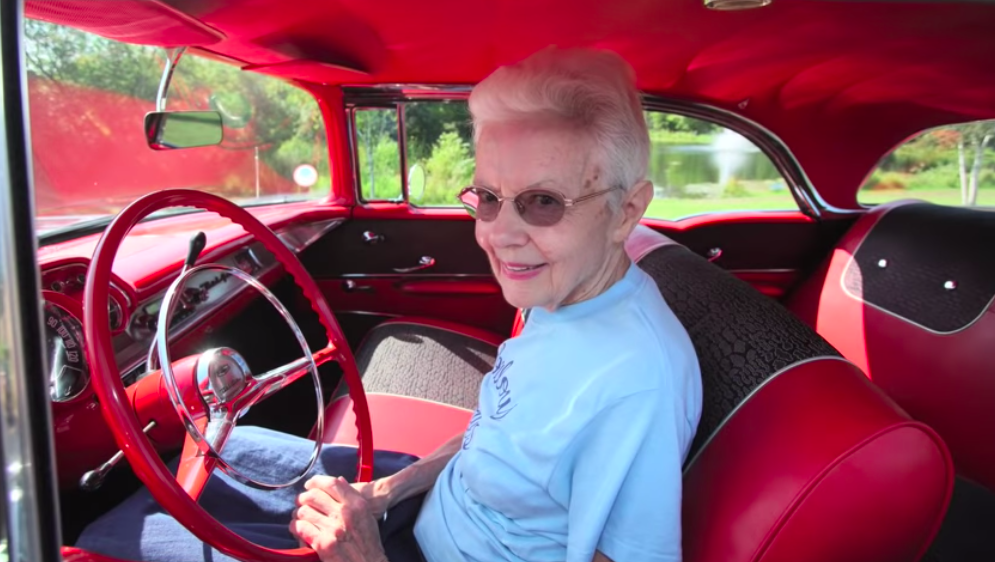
pixel 376 496
pixel 337 521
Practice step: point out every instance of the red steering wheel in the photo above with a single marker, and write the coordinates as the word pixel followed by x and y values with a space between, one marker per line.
pixel 179 495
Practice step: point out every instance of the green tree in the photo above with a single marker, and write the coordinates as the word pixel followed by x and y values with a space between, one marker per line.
pixel 259 112
pixel 378 153
pixel 973 139
pixel 449 169
pixel 425 122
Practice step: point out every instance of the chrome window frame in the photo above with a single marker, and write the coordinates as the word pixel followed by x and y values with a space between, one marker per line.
pixel 350 110
pixel 31 503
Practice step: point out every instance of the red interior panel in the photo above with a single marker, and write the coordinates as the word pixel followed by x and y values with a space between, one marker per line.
pixel 774 283
pixel 73 554
pixel 477 303
pixel 400 423
pixel 945 380
pixel 817 465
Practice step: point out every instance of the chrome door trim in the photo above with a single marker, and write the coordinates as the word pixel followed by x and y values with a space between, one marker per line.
pixel 31 501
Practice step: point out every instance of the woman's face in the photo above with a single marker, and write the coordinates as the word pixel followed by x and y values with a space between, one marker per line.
pixel 576 258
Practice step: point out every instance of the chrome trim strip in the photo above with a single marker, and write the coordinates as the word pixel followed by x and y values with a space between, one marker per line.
pixel 30 506
pixel 368 313
pixel 753 392
pixel 851 261
pixel 402 148
pixel 407 276
pixel 324 228
pixel 141 346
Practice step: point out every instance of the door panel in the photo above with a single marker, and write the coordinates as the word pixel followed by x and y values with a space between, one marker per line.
pixel 773 251
pixel 355 266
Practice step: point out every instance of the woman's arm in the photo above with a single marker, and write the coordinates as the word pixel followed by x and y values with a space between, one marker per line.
pixel 414 479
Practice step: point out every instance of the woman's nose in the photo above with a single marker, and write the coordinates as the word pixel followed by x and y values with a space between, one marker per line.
pixel 507 229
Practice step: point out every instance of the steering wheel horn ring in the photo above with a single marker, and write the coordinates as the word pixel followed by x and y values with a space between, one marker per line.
pixel 225 382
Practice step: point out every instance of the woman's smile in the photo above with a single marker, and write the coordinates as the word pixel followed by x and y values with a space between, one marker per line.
pixel 514 271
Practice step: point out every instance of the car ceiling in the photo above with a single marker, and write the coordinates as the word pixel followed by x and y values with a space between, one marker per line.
pixel 840 82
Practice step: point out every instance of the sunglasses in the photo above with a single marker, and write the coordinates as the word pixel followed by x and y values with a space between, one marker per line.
pixel 537 207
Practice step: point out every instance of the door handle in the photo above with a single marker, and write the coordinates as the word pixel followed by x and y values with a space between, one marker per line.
pixel 424 263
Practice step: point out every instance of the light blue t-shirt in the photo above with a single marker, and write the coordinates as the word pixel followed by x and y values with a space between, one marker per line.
pixel 578 439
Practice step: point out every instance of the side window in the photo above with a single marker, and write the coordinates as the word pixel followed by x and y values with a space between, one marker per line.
pixel 696 166
pixel 378 157
pixel 951 165
pixel 699 167
pixel 440 153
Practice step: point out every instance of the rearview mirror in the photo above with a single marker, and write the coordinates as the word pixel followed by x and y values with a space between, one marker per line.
pixel 169 130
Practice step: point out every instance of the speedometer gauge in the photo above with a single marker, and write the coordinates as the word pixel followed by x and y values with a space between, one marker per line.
pixel 69 373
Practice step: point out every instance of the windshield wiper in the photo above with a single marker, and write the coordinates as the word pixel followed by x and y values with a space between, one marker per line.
pixel 99 224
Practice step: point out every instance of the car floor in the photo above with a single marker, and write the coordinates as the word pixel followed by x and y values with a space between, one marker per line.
pixel 968 531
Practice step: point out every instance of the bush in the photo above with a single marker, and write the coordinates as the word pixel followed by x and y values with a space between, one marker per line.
pixel 447 170
pixel 946 176
pixel 734 188
pixel 886 181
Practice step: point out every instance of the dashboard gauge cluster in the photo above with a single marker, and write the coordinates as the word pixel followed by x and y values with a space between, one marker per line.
pixel 133 323
pixel 70 280
pixel 69 372
pixel 203 292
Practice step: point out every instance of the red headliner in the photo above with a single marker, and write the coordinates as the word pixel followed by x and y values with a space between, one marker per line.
pixel 839 82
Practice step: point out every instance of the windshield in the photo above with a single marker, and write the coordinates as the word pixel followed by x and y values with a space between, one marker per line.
pixel 88 97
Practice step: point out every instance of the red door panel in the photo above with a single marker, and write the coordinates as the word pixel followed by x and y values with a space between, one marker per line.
pixel 773 251
pixel 419 264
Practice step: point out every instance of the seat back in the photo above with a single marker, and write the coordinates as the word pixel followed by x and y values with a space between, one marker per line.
pixel 741 337
pixel 907 295
pixel 797 455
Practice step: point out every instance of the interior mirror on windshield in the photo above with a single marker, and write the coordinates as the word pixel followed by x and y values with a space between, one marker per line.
pixel 169 130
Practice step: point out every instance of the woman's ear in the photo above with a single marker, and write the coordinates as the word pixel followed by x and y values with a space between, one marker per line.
pixel 634 206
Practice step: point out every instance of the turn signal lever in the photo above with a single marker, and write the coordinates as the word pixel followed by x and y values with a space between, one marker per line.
pixel 95 478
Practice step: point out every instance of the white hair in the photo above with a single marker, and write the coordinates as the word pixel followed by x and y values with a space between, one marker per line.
pixel 592 89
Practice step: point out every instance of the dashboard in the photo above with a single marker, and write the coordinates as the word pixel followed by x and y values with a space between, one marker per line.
pixel 82 438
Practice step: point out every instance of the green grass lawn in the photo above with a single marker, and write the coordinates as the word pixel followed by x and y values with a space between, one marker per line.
pixel 678 208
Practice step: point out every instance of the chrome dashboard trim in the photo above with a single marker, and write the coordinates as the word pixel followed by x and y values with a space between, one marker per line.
pixel 407 276
pixel 137 351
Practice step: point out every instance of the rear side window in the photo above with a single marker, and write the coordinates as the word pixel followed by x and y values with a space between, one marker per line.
pixel 951 165
pixel 697 166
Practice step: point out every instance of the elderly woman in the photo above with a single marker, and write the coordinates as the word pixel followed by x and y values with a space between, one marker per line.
pixel 576 447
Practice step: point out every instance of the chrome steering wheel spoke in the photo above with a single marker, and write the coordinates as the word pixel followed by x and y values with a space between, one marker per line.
pixel 224 384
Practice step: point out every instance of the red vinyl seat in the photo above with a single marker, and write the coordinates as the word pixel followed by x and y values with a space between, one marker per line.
pixel 907 295
pixel 798 455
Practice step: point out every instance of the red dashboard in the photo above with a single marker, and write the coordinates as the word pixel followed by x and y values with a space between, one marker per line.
pixel 149 260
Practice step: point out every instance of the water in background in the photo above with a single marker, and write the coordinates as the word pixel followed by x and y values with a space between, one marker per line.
pixel 709 170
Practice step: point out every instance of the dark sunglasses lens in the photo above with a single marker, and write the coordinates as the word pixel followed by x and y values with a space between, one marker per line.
pixel 469 200
pixel 541 208
pixel 485 204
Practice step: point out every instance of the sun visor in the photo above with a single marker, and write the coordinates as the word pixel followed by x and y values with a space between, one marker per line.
pixel 143 22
